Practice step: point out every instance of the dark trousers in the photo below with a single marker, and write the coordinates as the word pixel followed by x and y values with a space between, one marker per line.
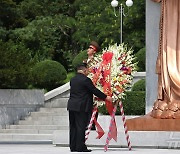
pixel 77 123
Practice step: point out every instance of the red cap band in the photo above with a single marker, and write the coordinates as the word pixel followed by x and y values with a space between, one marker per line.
pixel 94 48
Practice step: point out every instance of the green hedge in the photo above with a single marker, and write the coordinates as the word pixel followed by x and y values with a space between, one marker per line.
pixel 134 104
pixel 141 59
pixel 48 74
pixel 139 85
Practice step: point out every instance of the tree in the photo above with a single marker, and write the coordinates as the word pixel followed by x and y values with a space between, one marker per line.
pixel 64 28
pixel 47 37
pixel 97 22
pixel 9 16
pixel 15 65
pixel 134 26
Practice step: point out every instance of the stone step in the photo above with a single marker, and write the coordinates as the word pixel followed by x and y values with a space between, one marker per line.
pixel 49 117
pixel 40 127
pixel 53 120
pixel 143 139
pixel 45 121
pixel 25 138
pixel 53 110
pixel 104 121
pixel 57 103
pixel 26 131
pixel 42 114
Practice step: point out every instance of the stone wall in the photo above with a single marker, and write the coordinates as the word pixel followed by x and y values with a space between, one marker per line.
pixel 16 104
pixel 152 41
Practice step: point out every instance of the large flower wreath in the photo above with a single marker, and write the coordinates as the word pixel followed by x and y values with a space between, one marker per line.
pixel 112 72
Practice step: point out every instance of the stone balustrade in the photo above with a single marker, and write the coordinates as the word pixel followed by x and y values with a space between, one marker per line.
pixel 15 104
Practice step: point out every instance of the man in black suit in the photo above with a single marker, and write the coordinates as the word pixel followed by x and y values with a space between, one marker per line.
pixel 80 105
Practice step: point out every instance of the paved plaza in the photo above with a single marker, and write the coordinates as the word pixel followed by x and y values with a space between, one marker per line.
pixel 51 149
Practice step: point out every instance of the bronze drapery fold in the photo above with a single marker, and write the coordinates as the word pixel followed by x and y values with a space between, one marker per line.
pixel 167 104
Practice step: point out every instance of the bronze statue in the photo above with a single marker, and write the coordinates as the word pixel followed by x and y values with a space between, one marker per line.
pixel 167 105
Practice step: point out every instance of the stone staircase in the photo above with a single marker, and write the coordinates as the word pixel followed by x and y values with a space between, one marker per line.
pixel 38 127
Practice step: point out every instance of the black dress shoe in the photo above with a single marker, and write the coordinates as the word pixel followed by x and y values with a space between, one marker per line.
pixel 85 150
pixel 73 150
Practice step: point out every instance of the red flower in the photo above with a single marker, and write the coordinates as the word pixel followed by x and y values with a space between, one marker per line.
pixel 124 55
pixel 124 68
pixel 127 71
pixel 119 89
pixel 119 58
pixel 123 62
pixel 94 70
pixel 125 81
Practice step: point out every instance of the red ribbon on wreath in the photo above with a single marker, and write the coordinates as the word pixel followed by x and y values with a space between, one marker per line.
pixel 105 69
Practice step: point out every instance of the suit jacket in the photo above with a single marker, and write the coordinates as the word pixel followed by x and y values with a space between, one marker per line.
pixel 81 94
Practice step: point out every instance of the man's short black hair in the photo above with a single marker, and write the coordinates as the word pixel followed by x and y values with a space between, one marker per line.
pixel 81 66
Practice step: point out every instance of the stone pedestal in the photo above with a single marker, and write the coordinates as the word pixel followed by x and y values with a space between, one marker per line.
pixel 147 123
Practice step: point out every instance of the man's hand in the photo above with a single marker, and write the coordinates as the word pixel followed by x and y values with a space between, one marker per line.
pixel 108 98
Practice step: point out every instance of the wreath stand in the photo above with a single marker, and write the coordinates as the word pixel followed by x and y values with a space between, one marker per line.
pixel 110 126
